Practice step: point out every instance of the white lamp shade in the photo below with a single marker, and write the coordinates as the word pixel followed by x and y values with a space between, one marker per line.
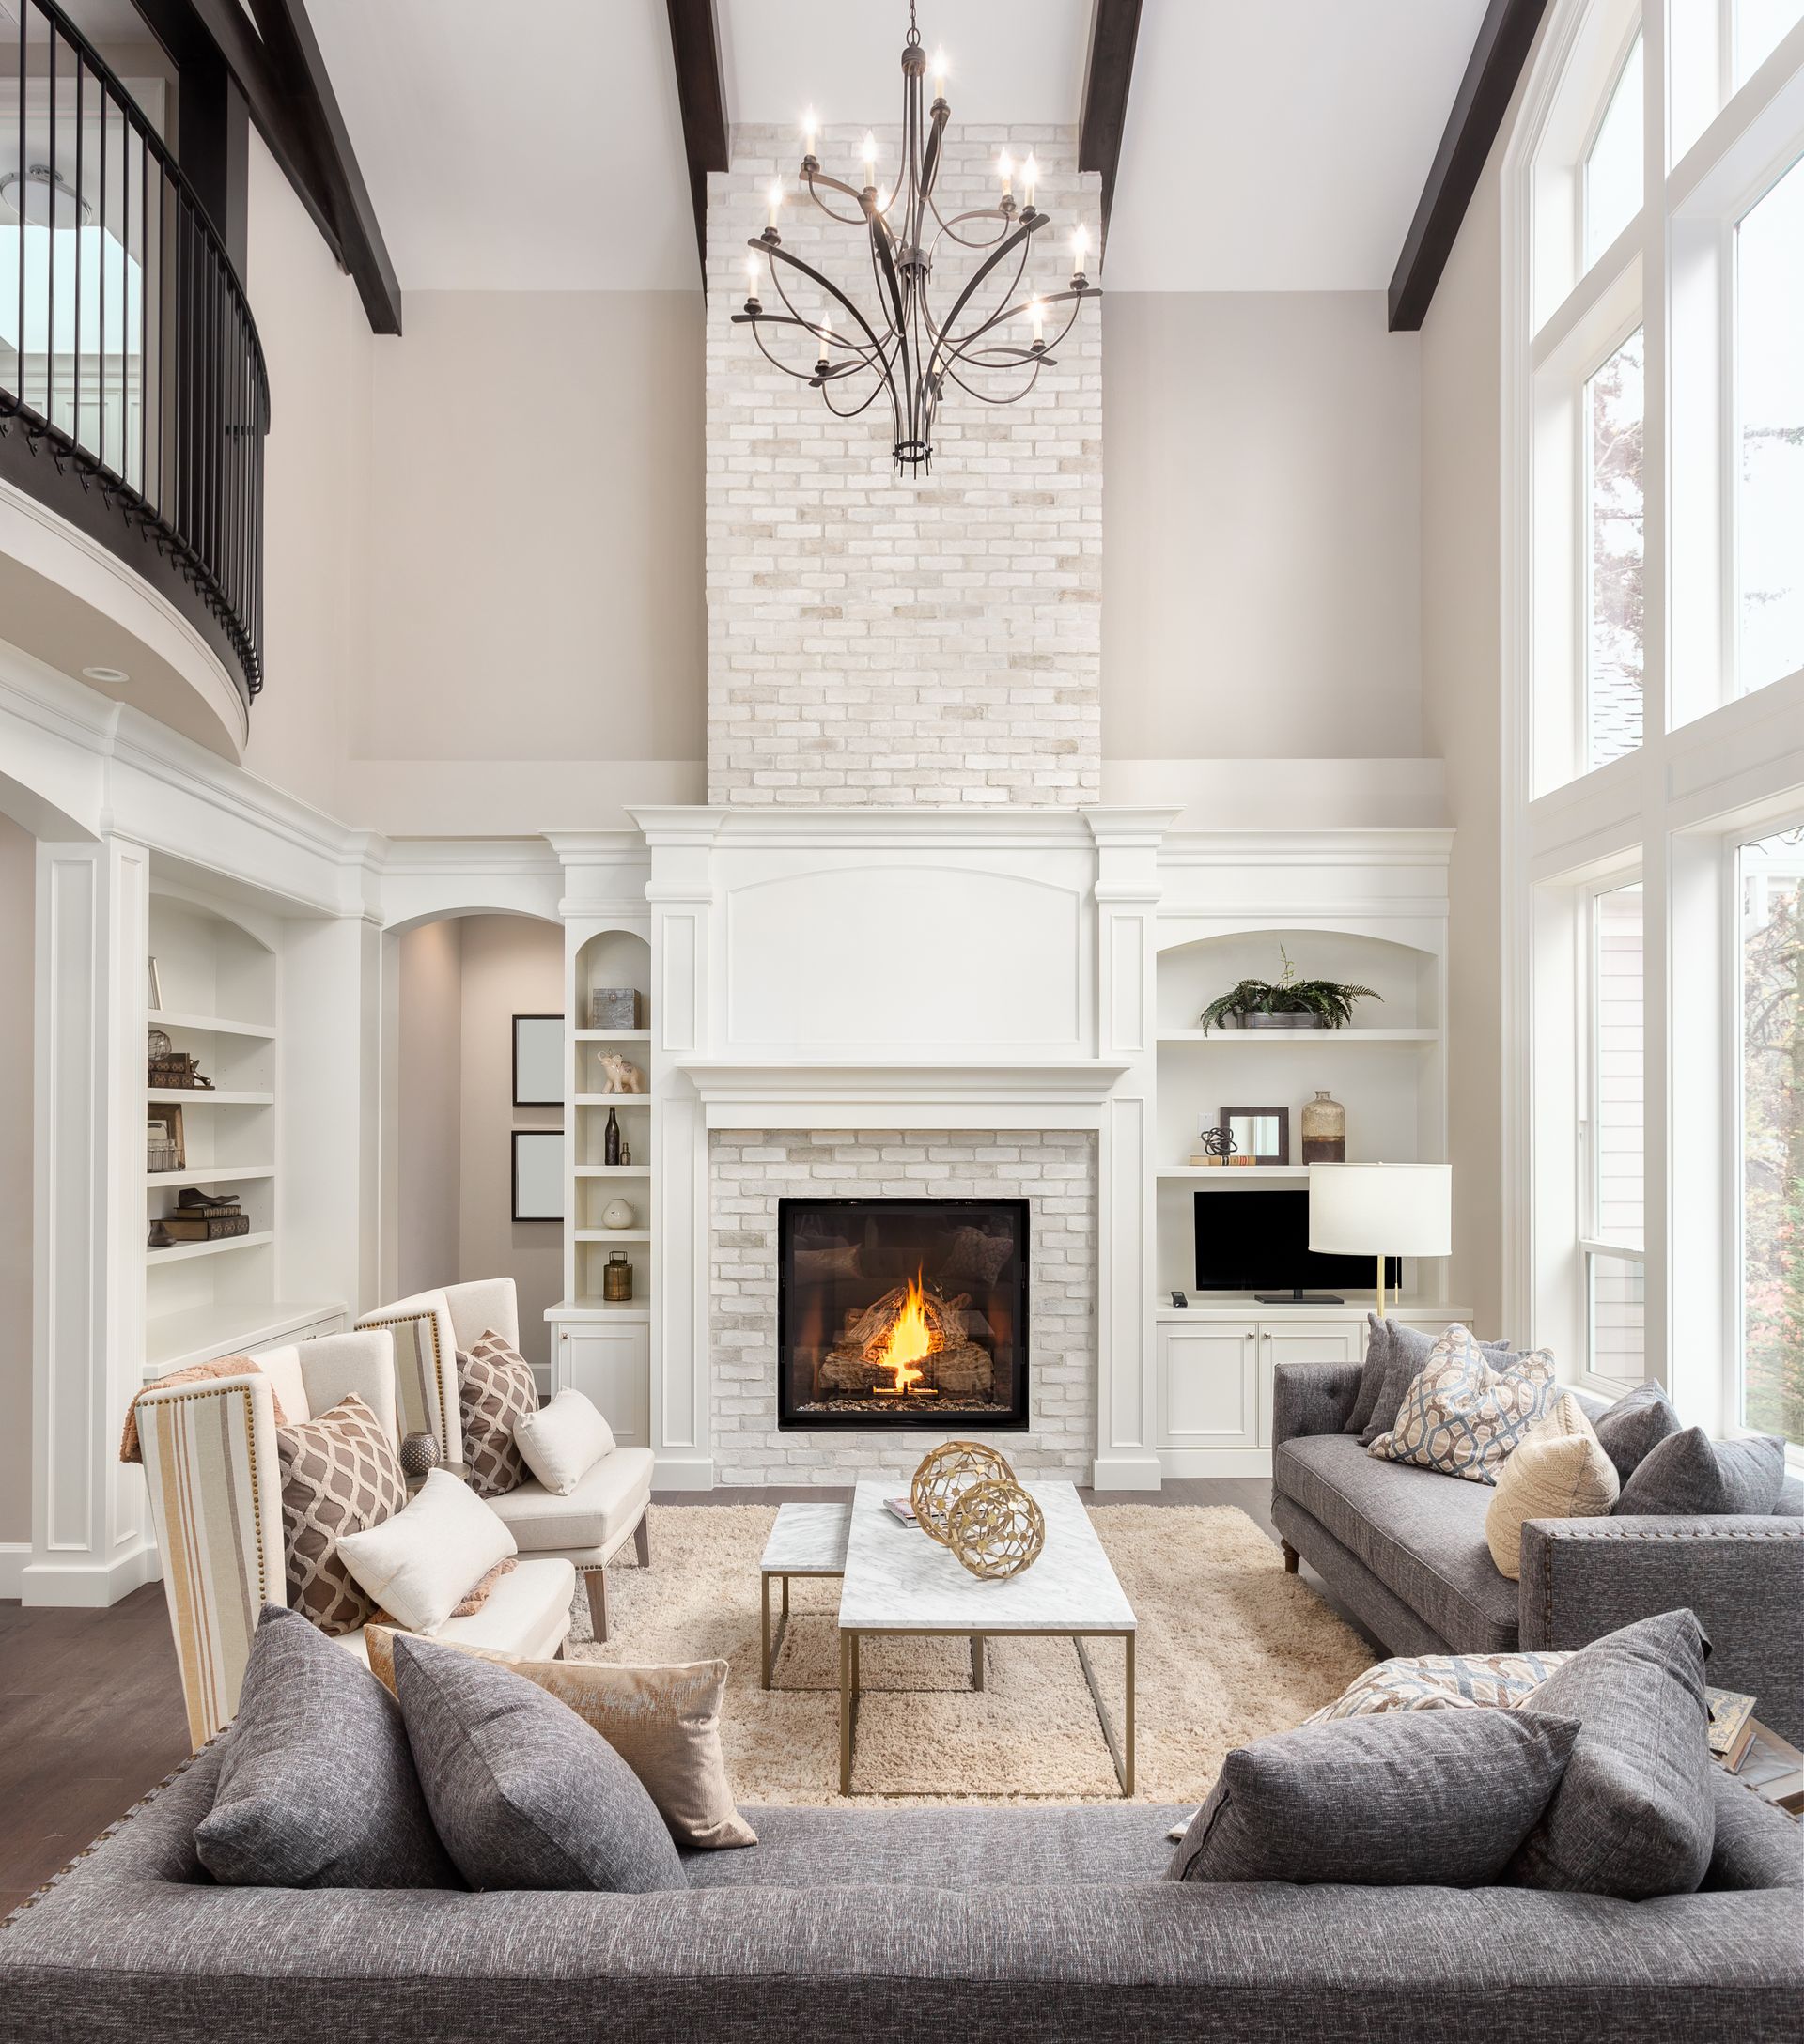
pixel 1381 1209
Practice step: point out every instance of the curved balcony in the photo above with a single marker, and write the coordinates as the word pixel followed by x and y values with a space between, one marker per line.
pixel 133 396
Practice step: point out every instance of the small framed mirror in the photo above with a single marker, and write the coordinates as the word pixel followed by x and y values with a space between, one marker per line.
pixel 1261 1135
pixel 539 1174
pixel 539 1060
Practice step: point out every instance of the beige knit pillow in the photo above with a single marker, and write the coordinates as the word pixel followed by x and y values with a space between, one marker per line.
pixel 1560 1472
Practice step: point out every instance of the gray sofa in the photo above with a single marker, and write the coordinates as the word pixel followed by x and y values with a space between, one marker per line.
pixel 1049 1924
pixel 1404 1549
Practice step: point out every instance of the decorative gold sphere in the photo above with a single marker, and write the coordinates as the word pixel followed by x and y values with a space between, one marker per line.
pixel 995 1529
pixel 945 1474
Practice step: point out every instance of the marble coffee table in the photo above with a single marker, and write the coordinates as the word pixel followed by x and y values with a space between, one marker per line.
pixel 899 1582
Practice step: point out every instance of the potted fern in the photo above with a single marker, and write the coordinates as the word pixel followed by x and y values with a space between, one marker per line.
pixel 1286 1004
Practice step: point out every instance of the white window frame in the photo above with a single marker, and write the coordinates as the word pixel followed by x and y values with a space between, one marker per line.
pixel 1715 769
pixel 1588 1151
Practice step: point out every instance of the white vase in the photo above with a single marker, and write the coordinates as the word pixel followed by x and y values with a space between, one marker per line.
pixel 617 1213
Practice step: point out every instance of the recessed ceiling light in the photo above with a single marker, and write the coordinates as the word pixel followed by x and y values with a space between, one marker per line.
pixel 111 676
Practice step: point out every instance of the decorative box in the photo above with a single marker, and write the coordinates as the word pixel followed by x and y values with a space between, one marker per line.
pixel 615 1008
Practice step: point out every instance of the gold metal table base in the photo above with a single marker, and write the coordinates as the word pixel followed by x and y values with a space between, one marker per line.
pixel 773 1641
pixel 1120 1742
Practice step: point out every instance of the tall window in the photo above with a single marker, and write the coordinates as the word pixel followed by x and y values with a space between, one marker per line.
pixel 1772 1135
pixel 1613 419
pixel 1614 1198
pixel 1759 25
pixel 1612 184
pixel 1769 403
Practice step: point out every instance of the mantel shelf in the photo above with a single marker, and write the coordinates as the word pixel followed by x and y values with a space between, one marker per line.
pixel 830 1079
pixel 1240 1039
pixel 1292 1174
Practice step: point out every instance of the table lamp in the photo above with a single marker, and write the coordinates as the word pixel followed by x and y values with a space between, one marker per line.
pixel 1381 1209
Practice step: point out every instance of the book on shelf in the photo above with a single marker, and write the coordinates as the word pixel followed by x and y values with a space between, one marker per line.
pixel 1732 1725
pixel 205 1228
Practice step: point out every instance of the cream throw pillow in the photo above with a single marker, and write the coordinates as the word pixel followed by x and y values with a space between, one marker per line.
pixel 663 1723
pixel 420 1565
pixel 1560 1472
pixel 563 1441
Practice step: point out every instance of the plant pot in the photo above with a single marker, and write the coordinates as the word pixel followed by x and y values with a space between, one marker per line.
pixel 1301 1019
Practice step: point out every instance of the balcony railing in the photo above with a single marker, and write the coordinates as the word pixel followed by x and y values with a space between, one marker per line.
pixel 130 364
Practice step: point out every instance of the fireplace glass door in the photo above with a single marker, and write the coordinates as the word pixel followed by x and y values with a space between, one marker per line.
pixel 902 1314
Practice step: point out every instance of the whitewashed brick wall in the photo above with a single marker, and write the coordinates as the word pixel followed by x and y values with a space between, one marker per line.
pixel 872 638
pixel 749 1172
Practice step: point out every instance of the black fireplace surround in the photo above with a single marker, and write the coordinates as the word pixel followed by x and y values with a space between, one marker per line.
pixel 940 1283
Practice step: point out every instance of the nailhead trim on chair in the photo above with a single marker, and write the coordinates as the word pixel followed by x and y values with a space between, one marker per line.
pixel 432 1320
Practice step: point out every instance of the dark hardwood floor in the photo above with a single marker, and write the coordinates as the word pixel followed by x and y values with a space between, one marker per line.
pixel 91 1703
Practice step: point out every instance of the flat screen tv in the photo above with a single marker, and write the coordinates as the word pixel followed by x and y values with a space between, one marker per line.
pixel 1258 1242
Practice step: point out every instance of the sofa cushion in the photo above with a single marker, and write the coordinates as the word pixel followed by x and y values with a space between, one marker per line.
pixel 1406 1352
pixel 1443 1800
pixel 1421 1535
pixel 340 1476
pixel 1560 1472
pixel 1639 1420
pixel 1634 1816
pixel 495 1391
pixel 599 1513
pixel 317 1786
pixel 524 1793
pixel 1689 1476
pixel 1468 1411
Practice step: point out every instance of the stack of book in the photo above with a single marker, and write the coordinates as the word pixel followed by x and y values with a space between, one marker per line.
pixel 1732 1725
pixel 205 1216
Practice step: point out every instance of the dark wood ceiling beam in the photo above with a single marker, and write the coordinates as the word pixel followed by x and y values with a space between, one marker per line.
pixel 1504 39
pixel 293 108
pixel 1114 28
pixel 695 46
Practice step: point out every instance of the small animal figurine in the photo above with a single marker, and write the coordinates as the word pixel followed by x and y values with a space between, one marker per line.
pixel 622 1077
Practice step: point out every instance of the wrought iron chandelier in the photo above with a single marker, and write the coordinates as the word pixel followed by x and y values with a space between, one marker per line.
pixel 907 352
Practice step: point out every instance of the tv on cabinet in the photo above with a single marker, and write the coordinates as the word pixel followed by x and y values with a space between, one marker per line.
pixel 1258 1242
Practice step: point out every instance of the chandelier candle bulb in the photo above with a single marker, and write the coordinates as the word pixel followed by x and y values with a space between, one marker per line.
pixel 870 158
pixel 939 75
pixel 752 280
pixel 1006 171
pixel 1030 178
pixel 776 206
pixel 1037 311
pixel 810 128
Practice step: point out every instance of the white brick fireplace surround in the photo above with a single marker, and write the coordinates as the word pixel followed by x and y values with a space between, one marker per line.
pixel 963 1001
pixel 750 1169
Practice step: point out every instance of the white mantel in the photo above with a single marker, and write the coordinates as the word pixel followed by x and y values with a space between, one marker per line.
pixel 922 968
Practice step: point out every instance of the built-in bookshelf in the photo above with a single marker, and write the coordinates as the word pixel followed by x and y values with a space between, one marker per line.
pixel 607 957
pixel 219 984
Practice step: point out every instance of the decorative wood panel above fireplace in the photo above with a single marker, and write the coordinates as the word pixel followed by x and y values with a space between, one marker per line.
pixel 902 1314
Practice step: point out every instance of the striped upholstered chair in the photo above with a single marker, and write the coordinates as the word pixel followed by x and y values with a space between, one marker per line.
pixel 590 1525
pixel 209 1450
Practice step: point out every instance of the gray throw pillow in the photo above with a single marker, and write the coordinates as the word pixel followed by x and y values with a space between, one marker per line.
pixel 1438 1799
pixel 1690 1476
pixel 1638 1421
pixel 525 1794
pixel 1378 1353
pixel 1407 1354
pixel 1634 1816
pixel 316 1788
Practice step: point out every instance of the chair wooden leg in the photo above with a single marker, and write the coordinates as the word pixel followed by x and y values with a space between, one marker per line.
pixel 595 1582
pixel 642 1538
pixel 1291 1558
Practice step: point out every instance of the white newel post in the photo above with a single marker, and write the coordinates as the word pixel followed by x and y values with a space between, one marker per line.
pixel 1126 898
pixel 89 1539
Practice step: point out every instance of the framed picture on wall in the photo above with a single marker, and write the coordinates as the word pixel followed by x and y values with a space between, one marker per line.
pixel 539 1174
pixel 539 1060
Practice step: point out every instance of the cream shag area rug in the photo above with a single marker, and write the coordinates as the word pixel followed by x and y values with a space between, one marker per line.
pixel 1230 1647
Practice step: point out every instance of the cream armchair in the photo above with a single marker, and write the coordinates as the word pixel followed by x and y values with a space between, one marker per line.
pixel 208 1450
pixel 588 1527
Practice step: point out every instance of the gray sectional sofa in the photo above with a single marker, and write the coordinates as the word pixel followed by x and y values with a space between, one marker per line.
pixel 1405 1550
pixel 1050 1924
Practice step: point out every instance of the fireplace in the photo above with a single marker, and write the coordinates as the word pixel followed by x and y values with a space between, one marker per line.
pixel 901 1313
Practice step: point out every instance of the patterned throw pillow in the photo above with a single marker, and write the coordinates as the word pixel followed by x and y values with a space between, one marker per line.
pixel 1461 1416
pixel 1443 1682
pixel 339 1475
pixel 495 1391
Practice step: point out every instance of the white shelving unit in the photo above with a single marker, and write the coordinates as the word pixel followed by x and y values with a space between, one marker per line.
pixel 601 1348
pixel 220 982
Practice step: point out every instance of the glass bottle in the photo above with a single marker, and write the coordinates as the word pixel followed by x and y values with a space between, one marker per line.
pixel 1324 1130
pixel 611 1139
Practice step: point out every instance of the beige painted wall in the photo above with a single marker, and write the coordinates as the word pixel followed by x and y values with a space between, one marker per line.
pixel 512 965
pixel 1261 528
pixel 429 1110
pixel 18 917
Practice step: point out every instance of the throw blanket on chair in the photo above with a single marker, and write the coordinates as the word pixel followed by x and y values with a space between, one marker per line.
pixel 222 1366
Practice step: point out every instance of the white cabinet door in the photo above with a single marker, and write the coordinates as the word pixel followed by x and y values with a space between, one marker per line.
pixel 611 1365
pixel 1322 1342
pixel 1208 1384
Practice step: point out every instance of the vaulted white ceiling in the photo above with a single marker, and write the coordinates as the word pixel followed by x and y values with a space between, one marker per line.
pixel 1272 144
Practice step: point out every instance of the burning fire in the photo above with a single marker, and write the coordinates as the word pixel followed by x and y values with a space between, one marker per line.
pixel 908 1340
